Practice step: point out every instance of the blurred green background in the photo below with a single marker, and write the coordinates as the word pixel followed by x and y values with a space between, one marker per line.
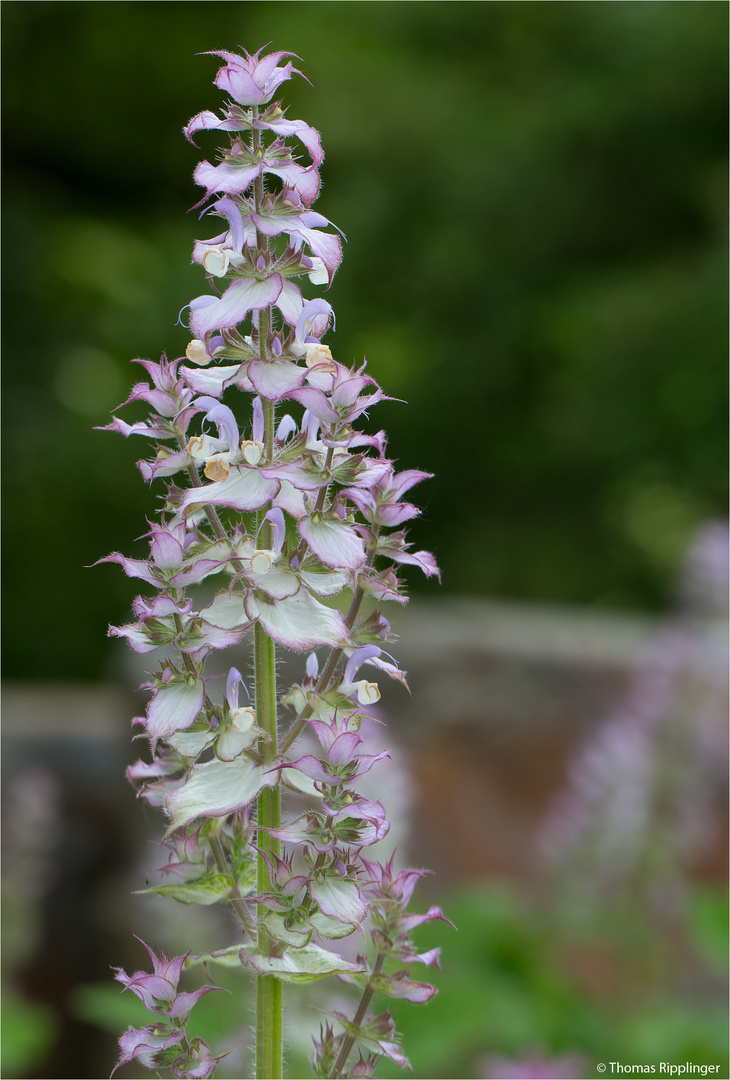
pixel 534 198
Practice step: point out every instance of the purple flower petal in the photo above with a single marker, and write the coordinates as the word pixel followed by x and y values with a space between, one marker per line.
pixel 135 568
pixel 394 514
pixel 367 652
pixel 400 986
pixel 165 550
pixel 299 622
pixel 183 1003
pixel 304 132
pixel 290 302
pixel 165 465
pixel 207 636
pixel 144 1044
pixel 137 639
pixel 228 179
pixel 213 381
pixel 250 80
pixel 312 767
pixel 424 560
pixel 313 320
pixel 243 489
pixel 325 246
pixel 278 526
pixel 317 403
pixel 223 418
pixel 403 481
pixel 216 788
pixel 228 209
pixel 343 749
pixel 175 707
pixel 335 544
pixel 208 121
pixel 306 182
pixel 234 678
pixel 302 477
pixel 276 378
pixel 339 898
pixel 208 313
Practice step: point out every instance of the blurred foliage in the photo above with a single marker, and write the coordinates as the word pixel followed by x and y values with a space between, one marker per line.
pixel 517 981
pixel 29 1028
pixel 534 197
pixel 514 983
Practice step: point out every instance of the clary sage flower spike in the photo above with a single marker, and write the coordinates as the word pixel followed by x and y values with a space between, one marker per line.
pixel 273 506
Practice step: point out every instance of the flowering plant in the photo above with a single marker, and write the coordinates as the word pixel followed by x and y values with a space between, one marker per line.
pixel 287 515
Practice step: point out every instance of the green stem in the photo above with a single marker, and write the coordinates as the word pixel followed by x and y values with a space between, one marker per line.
pixel 357 1021
pixel 238 902
pixel 269 1005
pixel 269 1028
pixel 269 1002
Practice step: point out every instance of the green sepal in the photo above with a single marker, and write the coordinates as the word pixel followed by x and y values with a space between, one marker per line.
pixel 329 927
pixel 347 471
pixel 372 631
pixel 275 924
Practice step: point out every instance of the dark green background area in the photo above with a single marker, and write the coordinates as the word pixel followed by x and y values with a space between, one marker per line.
pixel 534 198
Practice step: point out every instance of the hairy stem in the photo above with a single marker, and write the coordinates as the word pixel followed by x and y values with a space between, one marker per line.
pixel 238 902
pixel 269 1004
pixel 357 1021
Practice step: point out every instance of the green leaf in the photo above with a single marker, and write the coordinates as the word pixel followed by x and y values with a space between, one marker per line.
pixel 228 957
pixel 300 965
pixel 206 890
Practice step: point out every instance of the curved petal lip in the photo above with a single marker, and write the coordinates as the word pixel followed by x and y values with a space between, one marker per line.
pixel 208 313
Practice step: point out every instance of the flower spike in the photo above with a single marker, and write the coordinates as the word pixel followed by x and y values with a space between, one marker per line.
pixel 273 525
